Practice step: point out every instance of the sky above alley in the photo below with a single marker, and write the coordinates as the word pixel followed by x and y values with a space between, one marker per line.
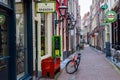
pixel 85 6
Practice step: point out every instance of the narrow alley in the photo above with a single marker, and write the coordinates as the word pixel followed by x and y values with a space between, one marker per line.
pixel 94 66
pixel 39 37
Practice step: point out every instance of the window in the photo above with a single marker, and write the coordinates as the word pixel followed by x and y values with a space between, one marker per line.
pixel 4 56
pixel 115 33
pixel 43 34
pixel 3 40
pixel 20 36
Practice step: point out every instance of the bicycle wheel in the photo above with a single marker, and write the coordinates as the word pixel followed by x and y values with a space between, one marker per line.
pixel 71 67
pixel 78 62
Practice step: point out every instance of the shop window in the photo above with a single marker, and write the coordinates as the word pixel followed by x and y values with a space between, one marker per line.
pixel 115 39
pixel 3 48
pixel 20 36
pixel 3 41
pixel 43 24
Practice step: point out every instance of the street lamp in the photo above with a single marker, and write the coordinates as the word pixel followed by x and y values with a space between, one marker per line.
pixel 62 9
pixel 69 20
pixel 72 25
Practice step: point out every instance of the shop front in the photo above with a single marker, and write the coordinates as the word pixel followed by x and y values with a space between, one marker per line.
pixel 24 39
pixel 7 40
pixel 4 56
pixel 15 39
pixel 115 31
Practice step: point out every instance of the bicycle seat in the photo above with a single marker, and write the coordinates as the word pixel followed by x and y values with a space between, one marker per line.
pixel 79 54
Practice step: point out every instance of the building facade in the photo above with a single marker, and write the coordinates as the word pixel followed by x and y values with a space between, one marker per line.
pixel 115 26
pixel 16 40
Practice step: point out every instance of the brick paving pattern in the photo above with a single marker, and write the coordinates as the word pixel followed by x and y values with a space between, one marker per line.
pixel 93 66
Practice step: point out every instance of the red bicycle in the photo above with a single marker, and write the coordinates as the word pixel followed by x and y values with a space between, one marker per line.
pixel 72 65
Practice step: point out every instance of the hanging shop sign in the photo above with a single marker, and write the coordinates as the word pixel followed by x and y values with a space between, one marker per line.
pixel 104 6
pixel 111 16
pixel 46 7
pixel 2 19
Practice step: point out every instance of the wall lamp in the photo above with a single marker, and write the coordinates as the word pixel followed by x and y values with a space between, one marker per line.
pixel 71 22
pixel 62 9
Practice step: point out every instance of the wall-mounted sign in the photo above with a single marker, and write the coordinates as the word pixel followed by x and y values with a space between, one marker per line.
pixel 2 19
pixel 56 46
pixel 46 7
pixel 111 16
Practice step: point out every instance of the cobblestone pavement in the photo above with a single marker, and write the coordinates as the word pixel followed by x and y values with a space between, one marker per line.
pixel 93 66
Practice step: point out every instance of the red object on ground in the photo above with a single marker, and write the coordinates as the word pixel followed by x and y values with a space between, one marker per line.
pixel 49 68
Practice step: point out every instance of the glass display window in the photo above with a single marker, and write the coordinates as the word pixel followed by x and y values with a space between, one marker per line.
pixel 20 39
pixel 4 56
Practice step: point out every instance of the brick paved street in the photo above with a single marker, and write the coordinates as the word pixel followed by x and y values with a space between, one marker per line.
pixel 93 66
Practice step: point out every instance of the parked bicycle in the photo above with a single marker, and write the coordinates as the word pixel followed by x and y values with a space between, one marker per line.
pixel 116 54
pixel 72 65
